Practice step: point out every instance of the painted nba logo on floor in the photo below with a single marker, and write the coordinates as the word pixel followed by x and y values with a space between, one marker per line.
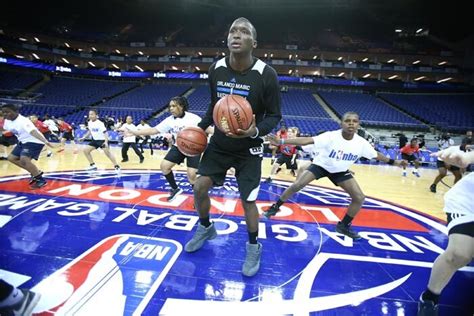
pixel 99 236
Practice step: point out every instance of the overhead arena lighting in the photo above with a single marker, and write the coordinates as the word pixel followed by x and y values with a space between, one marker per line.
pixel 139 68
pixel 91 63
pixel 140 52
pixel 315 56
pixel 36 39
pixel 117 51
pixel 35 56
pixel 265 55
pixel 65 60
pixel 316 73
pixel 290 71
pixel 199 53
pixel 416 62
pixel 419 78
pixel 390 61
pixel 398 30
pixel 340 58
pixel 442 63
pixel 392 77
pixel 290 56
pixel 197 68
pixel 67 45
pixel 271 55
pixel 177 53
pixel 174 68
pixel 93 48
pixel 444 80
pixel 366 76
pixel 419 31
pixel 22 39
pixel 19 56
pixel 365 59
pixel 1 50
pixel 341 74
pixel 115 66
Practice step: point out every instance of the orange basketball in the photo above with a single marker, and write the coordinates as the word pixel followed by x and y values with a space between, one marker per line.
pixel 231 113
pixel 191 141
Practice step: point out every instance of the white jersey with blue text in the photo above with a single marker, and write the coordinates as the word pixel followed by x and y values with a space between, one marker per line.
pixel 336 154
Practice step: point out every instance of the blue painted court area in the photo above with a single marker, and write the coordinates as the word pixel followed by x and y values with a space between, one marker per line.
pixel 85 239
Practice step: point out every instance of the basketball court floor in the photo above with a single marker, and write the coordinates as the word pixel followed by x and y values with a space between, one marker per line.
pixel 102 244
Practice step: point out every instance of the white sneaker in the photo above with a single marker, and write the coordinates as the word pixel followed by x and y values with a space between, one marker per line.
pixel 118 171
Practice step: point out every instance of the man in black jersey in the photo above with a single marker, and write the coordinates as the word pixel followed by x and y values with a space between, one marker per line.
pixel 244 75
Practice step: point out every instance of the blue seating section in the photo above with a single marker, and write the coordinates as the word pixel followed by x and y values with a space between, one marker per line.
pixel 152 96
pixel 301 102
pixel 446 111
pixel 311 127
pixel 17 80
pixel 41 110
pixel 200 98
pixel 371 110
pixel 79 92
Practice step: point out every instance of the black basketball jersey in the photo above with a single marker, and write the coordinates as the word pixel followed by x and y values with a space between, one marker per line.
pixel 259 85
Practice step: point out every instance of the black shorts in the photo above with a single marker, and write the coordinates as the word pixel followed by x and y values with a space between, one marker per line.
pixel 97 143
pixel 441 164
pixel 409 158
pixel 463 228
pixel 32 150
pixel 8 140
pixel 284 159
pixel 248 170
pixel 336 178
pixel 174 155
pixel 67 136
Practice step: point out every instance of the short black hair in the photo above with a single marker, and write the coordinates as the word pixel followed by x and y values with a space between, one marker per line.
pixel 253 30
pixel 11 106
pixel 182 101
pixel 349 113
pixel 94 110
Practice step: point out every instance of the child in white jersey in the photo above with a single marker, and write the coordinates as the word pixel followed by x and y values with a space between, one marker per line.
pixel 337 151
pixel 96 129
pixel 30 143
pixel 459 208
pixel 179 119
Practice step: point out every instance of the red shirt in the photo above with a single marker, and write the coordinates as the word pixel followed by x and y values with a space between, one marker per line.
pixel 4 133
pixel 408 150
pixel 65 127
pixel 288 150
pixel 43 128
pixel 282 135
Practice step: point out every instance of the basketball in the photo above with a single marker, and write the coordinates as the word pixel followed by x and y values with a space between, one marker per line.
pixel 231 113
pixel 191 141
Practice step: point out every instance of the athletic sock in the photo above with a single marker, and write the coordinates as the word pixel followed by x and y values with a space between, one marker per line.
pixel 279 202
pixel 170 178
pixel 253 237
pixel 205 221
pixel 347 220
pixel 430 296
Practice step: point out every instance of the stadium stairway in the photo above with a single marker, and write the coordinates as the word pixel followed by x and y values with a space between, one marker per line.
pixel 395 107
pixel 326 108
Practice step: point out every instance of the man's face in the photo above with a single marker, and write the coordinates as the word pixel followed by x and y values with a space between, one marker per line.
pixel 240 38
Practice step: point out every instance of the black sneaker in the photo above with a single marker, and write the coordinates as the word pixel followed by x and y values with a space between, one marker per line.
pixel 38 183
pixel 142 159
pixel 278 170
pixel 268 180
pixel 293 173
pixel 427 308
pixel 271 211
pixel 23 307
pixel 174 193
pixel 433 188
pixel 272 161
pixel 124 160
pixel 347 230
